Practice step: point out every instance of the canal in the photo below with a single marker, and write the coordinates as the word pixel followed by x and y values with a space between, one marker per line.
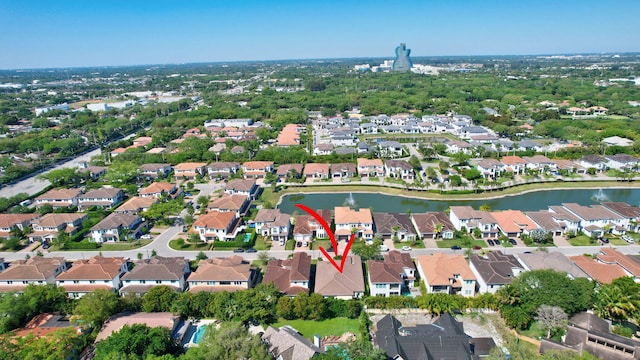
pixel 532 201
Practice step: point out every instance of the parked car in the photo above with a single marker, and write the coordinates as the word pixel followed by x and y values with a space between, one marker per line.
pixel 476 247
pixel 513 241
pixel 238 250
pixel 627 238
pixel 251 250
pixel 384 248
pixel 455 247
pixel 406 248
pixel 147 236
pixel 299 244
pixel 305 243
pixel 490 242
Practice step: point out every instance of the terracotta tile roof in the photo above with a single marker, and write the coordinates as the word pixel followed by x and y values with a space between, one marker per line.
pixel 314 168
pixel 513 221
pixel 600 272
pixel 257 165
pixel 552 260
pixel 189 166
pixel 513 160
pixel 240 185
pixel 283 272
pixel 234 268
pixel 273 217
pixel 330 282
pixel 153 167
pixel 96 268
pixel 362 162
pixel 116 220
pixel 57 220
pixel 136 203
pixel 118 321
pixel 35 268
pixel 10 220
pixel 157 187
pixel 215 220
pixel 290 135
pixel 283 170
pixel 611 256
pixel 302 226
pixel 63 194
pixel 228 202
pixel 105 193
pixel 346 215
pixel 440 268
pixel 389 270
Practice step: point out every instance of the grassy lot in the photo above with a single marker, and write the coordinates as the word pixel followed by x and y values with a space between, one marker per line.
pixel 178 245
pixel 443 244
pixel 582 240
pixel 124 245
pixel 262 244
pixel 534 331
pixel 290 245
pixel 308 328
pixel 316 244
pixel 617 242
pixel 414 245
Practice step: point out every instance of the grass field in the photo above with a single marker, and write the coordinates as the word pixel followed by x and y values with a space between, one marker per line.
pixel 308 328
pixel 582 240
pixel 124 245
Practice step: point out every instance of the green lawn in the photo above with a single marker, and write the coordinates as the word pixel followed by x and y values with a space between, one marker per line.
pixel 290 245
pixel 308 328
pixel 617 242
pixel 177 245
pixel 443 244
pixel 124 245
pixel 316 244
pixel 262 244
pixel 582 240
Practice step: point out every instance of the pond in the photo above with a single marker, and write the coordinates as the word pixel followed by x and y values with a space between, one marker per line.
pixel 532 201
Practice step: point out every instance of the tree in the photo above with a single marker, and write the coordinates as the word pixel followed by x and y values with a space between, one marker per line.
pixel 619 300
pixel 95 307
pixel 158 299
pixel 551 318
pixel 540 236
pixel 122 173
pixel 354 350
pixel 137 341
pixel 65 176
pixel 415 163
pixel 368 252
pixel 230 341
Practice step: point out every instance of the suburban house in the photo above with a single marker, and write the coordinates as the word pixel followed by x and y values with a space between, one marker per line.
pixel 449 274
pixel 603 272
pixel 256 169
pixel 552 260
pixel 466 216
pixel 323 149
pixel 597 220
pixel 117 226
pixel 541 163
pixel 513 223
pixel 50 225
pixel 515 164
pixel 290 276
pixel 190 170
pixel 593 161
pixel 85 276
pixel 36 270
pixel 103 198
pixel 222 274
pixel 93 172
pixel 348 284
pixel 444 339
pixel 433 224
pixel 390 149
pixel 370 168
pixel 587 332
pixel 343 170
pixel 150 172
pixel 222 169
pixel 135 205
pixel 307 227
pixel 289 171
pixel 490 168
pixel 286 343
pixel 160 189
pixel 494 270
pixel 237 204
pixel 394 226
pixel 156 271
pixel 398 169
pixel 349 221
pixel 631 213
pixel 316 171
pixel 59 198
pixel 391 276
pixel 554 222
pixel 622 162
pixel 216 226
pixel 272 223
pixel 247 187
pixel 9 222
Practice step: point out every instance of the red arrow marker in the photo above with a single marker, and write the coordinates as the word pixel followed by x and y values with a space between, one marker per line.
pixel 332 237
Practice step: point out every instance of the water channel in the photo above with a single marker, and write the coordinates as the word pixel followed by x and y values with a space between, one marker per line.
pixel 531 201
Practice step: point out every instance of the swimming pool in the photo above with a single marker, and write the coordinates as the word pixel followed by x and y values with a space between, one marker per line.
pixel 198 334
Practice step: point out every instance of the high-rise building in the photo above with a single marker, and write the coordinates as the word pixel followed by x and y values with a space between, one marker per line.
pixel 402 61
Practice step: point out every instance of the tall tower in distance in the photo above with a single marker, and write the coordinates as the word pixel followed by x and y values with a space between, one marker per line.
pixel 402 61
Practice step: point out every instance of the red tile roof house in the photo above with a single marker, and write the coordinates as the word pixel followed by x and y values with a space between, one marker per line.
pixel 307 227
pixel 135 205
pixel 117 226
pixel 216 225
pixel 37 270
pixel 59 198
pixel 316 171
pixel 222 274
pixel 103 198
pixel 247 187
pixel 222 170
pixel 449 274
pixel 513 223
pixel 348 284
pixel 237 204
pixel 99 272
pixel 152 171
pixel 290 276
pixel 516 164
pixel 391 276
pixel 433 225
pixel 604 273
pixel 290 135
pixel 190 170
pixel 147 273
pixel 158 189
pixel 287 170
pixel 398 169
pixel 370 168
pixel 9 222
pixel 256 169
pixel 629 265
pixel 348 220
pixel 272 223
pixel 48 227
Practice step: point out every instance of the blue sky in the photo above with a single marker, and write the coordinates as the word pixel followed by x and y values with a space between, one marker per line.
pixel 60 33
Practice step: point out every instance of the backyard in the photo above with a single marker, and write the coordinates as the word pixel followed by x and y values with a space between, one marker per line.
pixel 308 328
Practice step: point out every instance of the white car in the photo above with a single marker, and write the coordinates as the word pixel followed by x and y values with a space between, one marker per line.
pixel 147 237
pixel 406 248
pixel 384 248
pixel 627 238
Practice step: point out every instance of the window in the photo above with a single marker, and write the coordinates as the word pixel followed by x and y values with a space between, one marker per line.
pixel 467 292
pixel 76 282
pixel 381 286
